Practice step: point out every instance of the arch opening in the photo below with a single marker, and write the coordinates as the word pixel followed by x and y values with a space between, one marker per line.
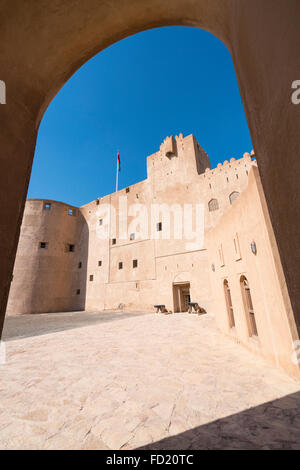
pixel 248 307
pixel 32 88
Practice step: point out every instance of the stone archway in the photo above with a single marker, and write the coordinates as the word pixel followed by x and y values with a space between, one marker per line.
pixel 43 43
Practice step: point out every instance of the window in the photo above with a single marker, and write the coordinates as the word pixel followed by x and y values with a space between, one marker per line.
pixel 120 265
pixel 99 263
pixel 71 248
pixel 100 221
pixel 71 212
pixel 135 263
pixel 229 304
pixel 221 256
pixel 47 206
pixel 97 202
pixel 233 196
pixel 132 236
pixel 79 265
pixel 159 227
pixel 91 277
pixel 237 249
pixel 213 205
pixel 78 292
pixel 44 245
pixel 114 241
pixel 127 190
pixel 248 306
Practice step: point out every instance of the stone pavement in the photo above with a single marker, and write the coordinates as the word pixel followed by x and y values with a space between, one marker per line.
pixel 123 381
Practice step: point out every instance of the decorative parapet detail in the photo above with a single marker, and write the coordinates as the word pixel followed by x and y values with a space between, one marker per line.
pixel 168 147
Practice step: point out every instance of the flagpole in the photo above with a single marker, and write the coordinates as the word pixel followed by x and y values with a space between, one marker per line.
pixel 117 176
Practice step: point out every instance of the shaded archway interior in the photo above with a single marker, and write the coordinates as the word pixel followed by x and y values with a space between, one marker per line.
pixel 262 38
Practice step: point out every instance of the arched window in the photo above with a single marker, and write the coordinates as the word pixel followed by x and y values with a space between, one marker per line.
pixel 229 304
pixel 233 196
pixel 248 305
pixel 213 205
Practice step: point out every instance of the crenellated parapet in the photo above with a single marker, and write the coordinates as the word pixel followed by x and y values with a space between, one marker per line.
pixel 230 166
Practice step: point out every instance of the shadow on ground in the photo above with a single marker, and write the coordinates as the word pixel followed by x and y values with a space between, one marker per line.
pixel 26 326
pixel 272 425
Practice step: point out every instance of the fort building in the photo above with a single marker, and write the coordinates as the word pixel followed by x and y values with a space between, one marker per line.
pixel 186 234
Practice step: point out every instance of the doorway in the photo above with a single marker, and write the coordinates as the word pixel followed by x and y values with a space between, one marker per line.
pixel 181 296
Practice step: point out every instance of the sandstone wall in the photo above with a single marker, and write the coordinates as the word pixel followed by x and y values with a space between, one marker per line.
pixel 48 279
pixel 246 223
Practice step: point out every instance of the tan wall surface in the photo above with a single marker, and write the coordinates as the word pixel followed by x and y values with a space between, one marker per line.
pixel 247 222
pixel 46 280
pixel 173 179
pixel 263 39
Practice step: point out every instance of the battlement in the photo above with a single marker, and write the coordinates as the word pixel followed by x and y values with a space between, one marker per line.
pixel 231 165
pixel 178 157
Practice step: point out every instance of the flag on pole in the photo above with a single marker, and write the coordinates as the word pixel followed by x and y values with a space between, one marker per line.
pixel 119 162
pixel 118 169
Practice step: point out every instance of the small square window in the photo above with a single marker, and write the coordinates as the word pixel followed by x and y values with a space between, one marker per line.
pixel 127 190
pixel 97 202
pixel 78 292
pixel 70 212
pixel 135 263
pixel 114 241
pixel 120 265
pixel 79 265
pixel 47 206
pixel 159 226
pixel 100 221
pixel 71 248
pixel 91 277
pixel 99 263
pixel 44 245
pixel 132 236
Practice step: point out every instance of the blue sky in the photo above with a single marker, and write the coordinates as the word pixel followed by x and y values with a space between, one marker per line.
pixel 129 98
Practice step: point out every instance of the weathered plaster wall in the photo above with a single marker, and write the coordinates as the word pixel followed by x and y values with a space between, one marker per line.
pixel 43 43
pixel 47 279
pixel 171 180
pixel 248 221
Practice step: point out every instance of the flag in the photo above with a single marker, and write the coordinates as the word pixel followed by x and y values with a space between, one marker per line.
pixel 119 162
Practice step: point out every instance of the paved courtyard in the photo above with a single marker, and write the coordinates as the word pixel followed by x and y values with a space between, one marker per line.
pixel 130 381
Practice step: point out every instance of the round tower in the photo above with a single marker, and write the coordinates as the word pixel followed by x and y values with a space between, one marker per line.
pixel 50 268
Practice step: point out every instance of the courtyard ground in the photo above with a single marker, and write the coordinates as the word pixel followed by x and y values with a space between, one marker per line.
pixel 128 381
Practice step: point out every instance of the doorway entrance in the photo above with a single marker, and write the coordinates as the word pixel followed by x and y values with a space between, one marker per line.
pixel 181 296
